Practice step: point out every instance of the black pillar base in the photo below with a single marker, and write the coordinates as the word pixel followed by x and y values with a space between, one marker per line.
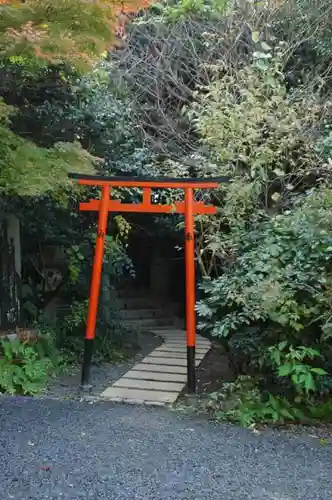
pixel 86 366
pixel 191 369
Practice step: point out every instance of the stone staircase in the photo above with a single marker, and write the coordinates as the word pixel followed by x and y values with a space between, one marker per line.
pixel 142 311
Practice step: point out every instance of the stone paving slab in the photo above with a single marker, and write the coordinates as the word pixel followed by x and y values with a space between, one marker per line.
pixel 165 361
pixel 137 396
pixel 178 350
pixel 161 376
pixel 182 338
pixel 160 368
pixel 172 362
pixel 181 348
pixel 175 355
pixel 151 385
pixel 183 343
pixel 164 332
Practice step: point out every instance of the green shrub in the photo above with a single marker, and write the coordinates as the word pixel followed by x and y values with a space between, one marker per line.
pixel 279 278
pixel 273 303
pixel 242 402
pixel 23 370
pixel 322 410
pixel 294 363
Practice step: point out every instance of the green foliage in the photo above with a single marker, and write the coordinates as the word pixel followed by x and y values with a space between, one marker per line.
pixel 243 403
pixel 273 302
pixel 267 292
pixel 291 362
pixel 43 46
pixel 308 22
pixel 59 104
pixel 75 259
pixel 322 410
pixel 264 130
pixel 37 32
pixel 103 115
pixel 280 275
pixel 5 113
pixel 112 340
pixel 28 170
pixel 22 369
pixel 176 11
pixel 28 302
pixel 69 332
pixel 45 101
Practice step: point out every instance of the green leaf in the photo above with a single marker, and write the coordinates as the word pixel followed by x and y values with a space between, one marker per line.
pixel 282 345
pixel 319 371
pixel 262 65
pixel 285 370
pixel 310 383
pixel 255 36
pixel 265 46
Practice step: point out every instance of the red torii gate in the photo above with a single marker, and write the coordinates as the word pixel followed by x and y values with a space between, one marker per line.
pixel 189 208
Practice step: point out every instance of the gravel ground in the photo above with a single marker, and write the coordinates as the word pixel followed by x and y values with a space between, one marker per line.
pixel 53 450
pixel 102 376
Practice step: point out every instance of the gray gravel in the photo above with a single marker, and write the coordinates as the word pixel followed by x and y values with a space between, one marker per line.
pixel 102 376
pixel 70 450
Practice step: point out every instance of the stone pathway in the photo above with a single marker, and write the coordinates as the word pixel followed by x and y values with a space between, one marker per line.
pixel 160 377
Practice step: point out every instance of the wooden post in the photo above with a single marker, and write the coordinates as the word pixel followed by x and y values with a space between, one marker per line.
pixel 190 289
pixel 95 288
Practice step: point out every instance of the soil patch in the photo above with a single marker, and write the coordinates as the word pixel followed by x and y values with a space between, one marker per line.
pixel 213 371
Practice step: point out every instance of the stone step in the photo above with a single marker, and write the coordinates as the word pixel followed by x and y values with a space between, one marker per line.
pixel 182 340
pixel 147 323
pixel 143 313
pixel 130 290
pixel 140 302
pixel 145 301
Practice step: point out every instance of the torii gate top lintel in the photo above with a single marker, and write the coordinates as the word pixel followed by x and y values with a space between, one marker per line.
pixel 153 182
pixel 105 205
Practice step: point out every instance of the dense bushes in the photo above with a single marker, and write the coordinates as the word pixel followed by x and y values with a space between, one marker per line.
pixel 272 306
pixel 278 287
pixel 267 295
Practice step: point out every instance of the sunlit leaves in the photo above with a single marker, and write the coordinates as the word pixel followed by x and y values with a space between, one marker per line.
pixel 27 169
pixel 75 31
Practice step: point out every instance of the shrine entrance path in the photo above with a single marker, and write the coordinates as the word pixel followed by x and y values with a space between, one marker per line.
pixel 160 377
